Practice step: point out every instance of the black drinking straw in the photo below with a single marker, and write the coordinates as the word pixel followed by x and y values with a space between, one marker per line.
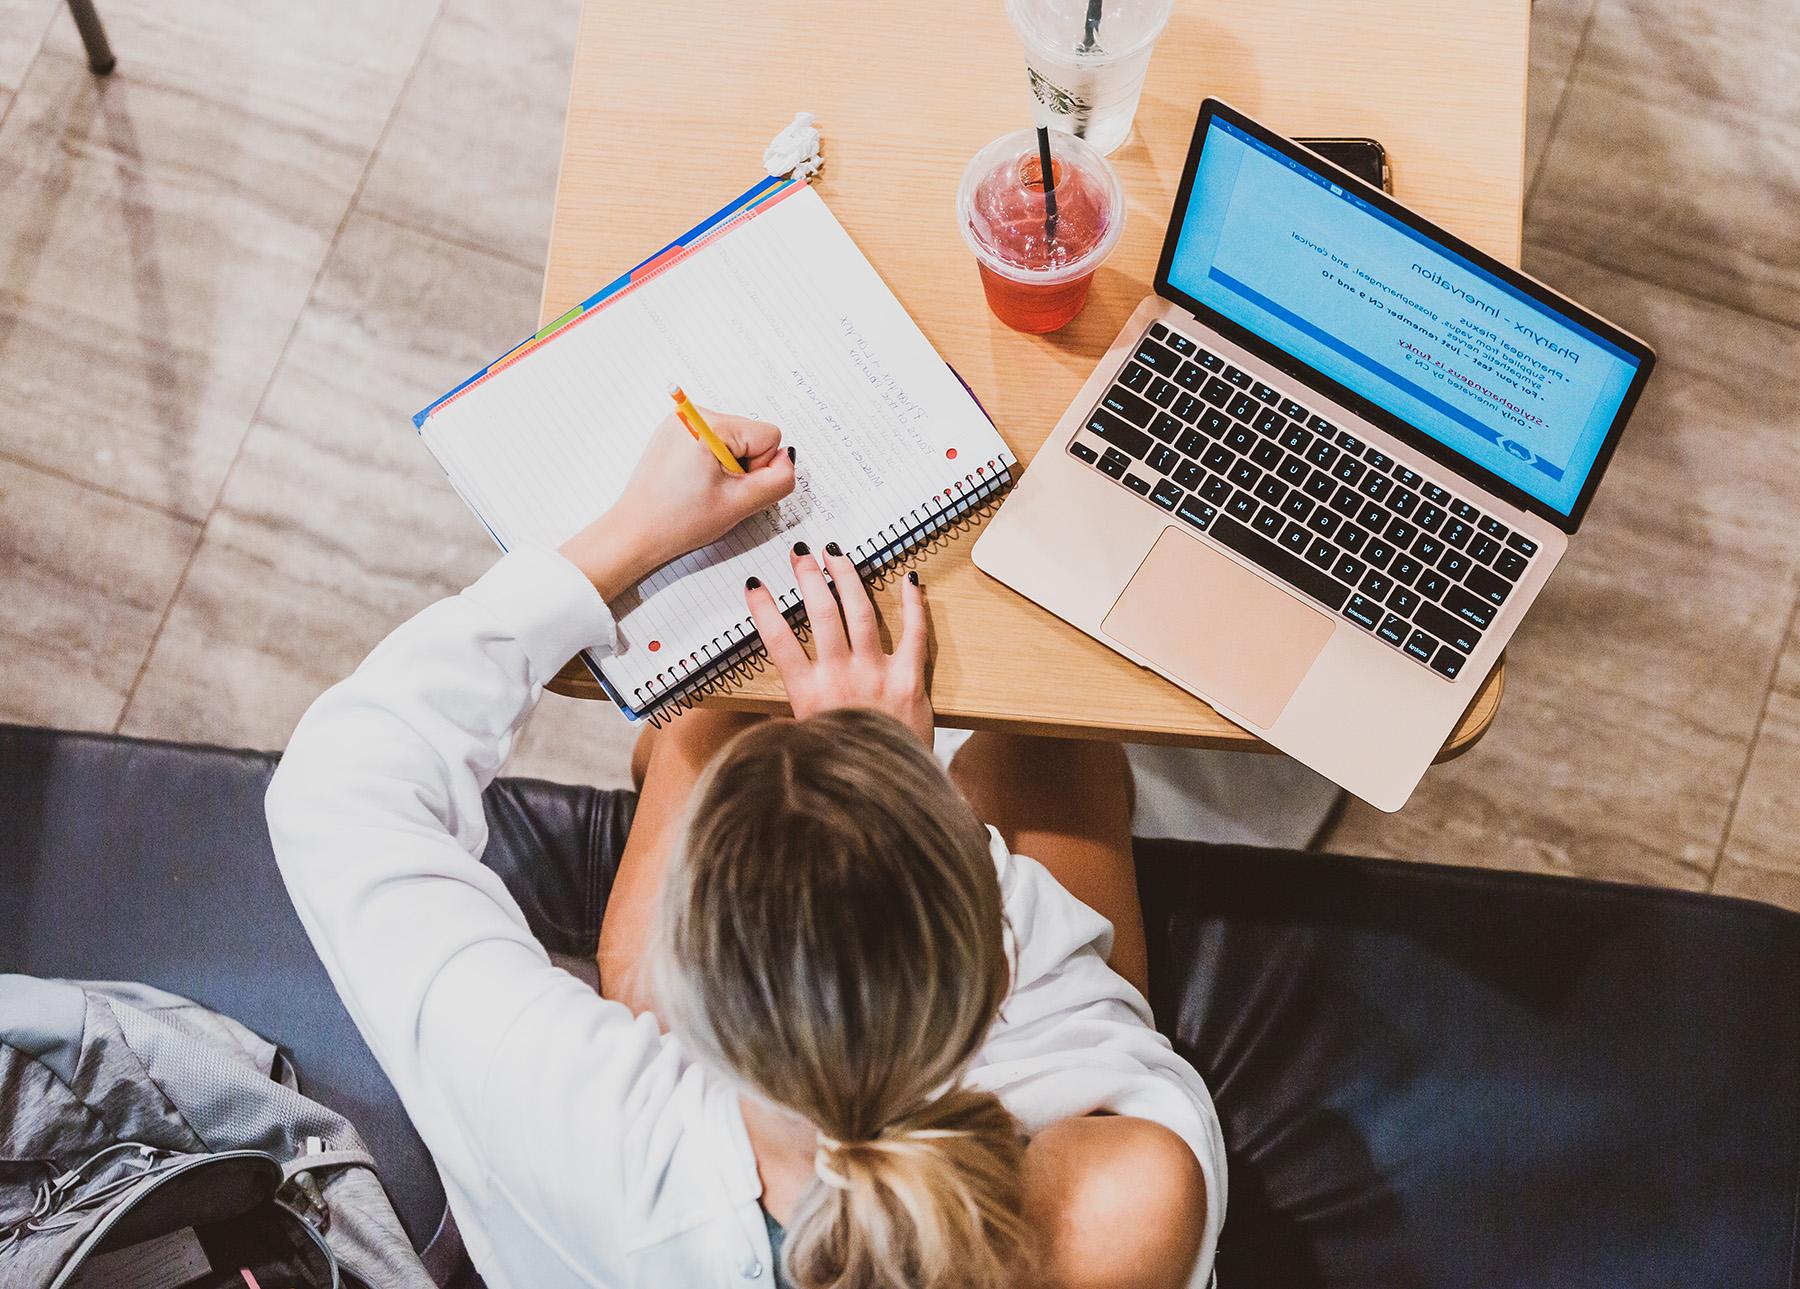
pixel 1093 25
pixel 1047 176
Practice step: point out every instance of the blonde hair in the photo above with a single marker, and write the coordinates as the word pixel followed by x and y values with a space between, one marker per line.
pixel 832 935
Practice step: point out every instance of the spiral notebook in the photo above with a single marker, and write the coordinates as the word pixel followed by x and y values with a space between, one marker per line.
pixel 766 309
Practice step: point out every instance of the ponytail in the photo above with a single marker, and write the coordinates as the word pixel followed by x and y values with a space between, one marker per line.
pixel 932 1201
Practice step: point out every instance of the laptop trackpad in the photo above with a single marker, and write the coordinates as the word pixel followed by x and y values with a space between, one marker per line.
pixel 1211 622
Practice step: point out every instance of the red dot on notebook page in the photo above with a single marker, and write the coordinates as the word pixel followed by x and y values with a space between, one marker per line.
pixel 950 454
pixel 655 645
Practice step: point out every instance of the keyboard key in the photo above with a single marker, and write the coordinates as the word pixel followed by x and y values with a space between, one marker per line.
pixel 1457 533
pixel 1271 423
pixel 1407 478
pixel 1363 611
pixel 1241 506
pixel 1435 494
pixel 1134 377
pixel 1167 428
pixel 1323 453
pixel 1447 661
pixel 1349 569
pixel 1489 525
pixel 1350 443
pixel 1421 646
pixel 1127 438
pixel 1238 438
pixel 1188 375
pixel 1453 564
pixel 1297 506
pixel 1320 485
pixel 1352 538
pixel 1372 517
pixel 1244 407
pixel 1218 457
pixel 1239 378
pixel 1188 474
pixel 1348 469
pixel 1319 425
pixel 1163 459
pixel 1196 512
pixel 1244 474
pixel 1509 565
pixel 1267 454
pixel 1392 629
pixel 1271 490
pixel 1401 533
pixel 1324 522
pixel 1215 490
pixel 1430 518
pixel 1376 460
pixel 1262 391
pixel 1188 408
pixel 1289 408
pixel 1377 584
pixel 1467 607
pixel 1462 635
pixel 1322 553
pixel 1138 484
pixel 1178 342
pixel 1427 548
pixel 1158 331
pixel 1483 549
pixel 1405 569
pixel 1403 502
pixel 1346 502
pixel 1268 522
pixel 1375 486
pixel 1165 494
pixel 1123 403
pixel 1161 392
pixel 1293 469
pixel 1378 553
pixel 1191 443
pixel 1296 538
pixel 1081 451
pixel 1280 561
pixel 1460 508
pixel 1214 423
pixel 1489 585
pixel 1431 584
pixel 1156 358
pixel 1403 601
pixel 1114 463
pixel 1216 391
pixel 1296 439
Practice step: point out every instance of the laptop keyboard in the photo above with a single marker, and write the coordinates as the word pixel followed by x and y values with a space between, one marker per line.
pixel 1255 469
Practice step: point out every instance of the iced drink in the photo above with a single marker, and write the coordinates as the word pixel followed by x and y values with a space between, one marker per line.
pixel 1036 273
pixel 1086 63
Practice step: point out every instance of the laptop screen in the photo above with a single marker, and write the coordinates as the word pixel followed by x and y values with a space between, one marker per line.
pixel 1393 314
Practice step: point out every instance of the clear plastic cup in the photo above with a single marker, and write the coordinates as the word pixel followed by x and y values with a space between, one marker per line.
pixel 1089 88
pixel 1036 278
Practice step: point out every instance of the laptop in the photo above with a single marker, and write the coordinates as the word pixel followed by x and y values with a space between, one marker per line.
pixel 1325 469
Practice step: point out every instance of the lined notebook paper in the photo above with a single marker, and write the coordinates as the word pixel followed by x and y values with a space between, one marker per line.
pixel 769 312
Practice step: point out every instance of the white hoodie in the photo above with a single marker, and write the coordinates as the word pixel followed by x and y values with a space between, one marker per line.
pixel 581 1146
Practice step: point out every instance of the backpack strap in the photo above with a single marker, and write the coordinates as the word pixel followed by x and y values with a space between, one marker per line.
pixel 326 1159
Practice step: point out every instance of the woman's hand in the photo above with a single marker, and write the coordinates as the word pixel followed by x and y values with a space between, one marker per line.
pixel 851 668
pixel 679 499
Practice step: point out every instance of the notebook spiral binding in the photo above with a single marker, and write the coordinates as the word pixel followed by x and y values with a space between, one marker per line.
pixel 738 653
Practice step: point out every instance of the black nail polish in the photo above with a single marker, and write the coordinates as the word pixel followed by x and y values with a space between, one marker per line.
pixel 790 453
pixel 832 548
pixel 912 577
pixel 751 583
pixel 801 548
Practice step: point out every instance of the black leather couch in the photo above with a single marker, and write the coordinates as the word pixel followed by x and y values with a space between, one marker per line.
pixel 1430 1078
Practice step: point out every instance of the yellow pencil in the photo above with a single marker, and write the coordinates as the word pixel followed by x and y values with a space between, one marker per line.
pixel 697 426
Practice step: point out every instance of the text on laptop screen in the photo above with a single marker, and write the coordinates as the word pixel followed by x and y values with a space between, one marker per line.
pixel 1389 313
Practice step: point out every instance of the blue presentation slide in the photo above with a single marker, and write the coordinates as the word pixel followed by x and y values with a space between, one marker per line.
pixel 1386 312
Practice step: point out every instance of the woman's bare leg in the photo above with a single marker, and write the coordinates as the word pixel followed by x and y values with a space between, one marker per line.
pixel 1067 804
pixel 665 765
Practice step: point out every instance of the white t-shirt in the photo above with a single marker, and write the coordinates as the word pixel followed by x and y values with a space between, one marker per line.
pixel 579 1145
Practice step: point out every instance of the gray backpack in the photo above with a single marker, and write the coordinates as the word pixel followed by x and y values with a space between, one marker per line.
pixel 140 1130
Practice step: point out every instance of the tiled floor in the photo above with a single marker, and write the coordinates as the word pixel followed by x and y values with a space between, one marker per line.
pixel 228 274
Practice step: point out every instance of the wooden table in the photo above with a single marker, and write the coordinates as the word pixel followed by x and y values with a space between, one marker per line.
pixel 669 110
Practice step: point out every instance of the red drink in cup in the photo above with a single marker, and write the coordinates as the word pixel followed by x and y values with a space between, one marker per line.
pixel 1036 274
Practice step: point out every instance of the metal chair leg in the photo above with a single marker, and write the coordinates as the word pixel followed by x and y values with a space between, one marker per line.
pixel 93 36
